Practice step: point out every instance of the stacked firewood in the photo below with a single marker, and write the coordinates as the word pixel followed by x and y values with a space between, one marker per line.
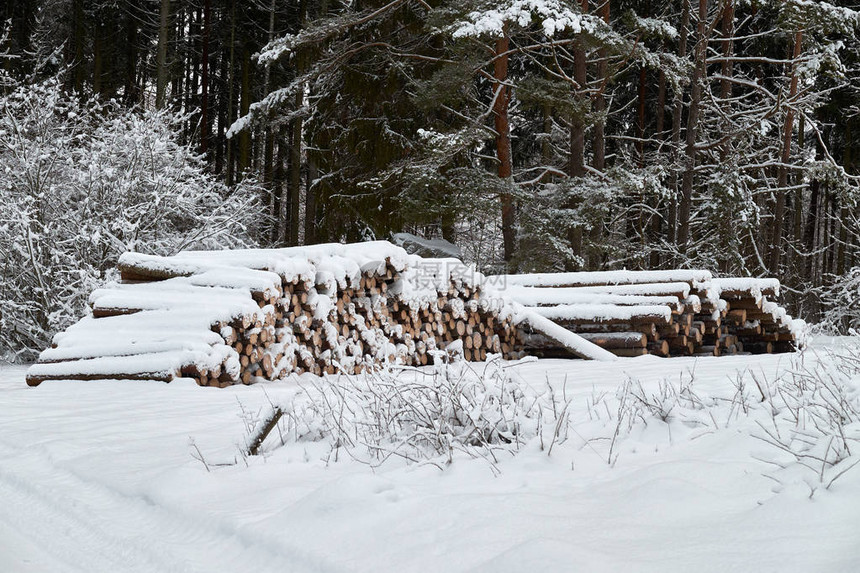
pixel 757 323
pixel 267 314
pixel 229 317
pixel 665 313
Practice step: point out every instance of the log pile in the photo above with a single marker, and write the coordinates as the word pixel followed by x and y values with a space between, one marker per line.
pixel 664 313
pixel 244 316
pixel 239 317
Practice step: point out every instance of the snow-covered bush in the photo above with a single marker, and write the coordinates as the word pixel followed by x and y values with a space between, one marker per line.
pixel 841 302
pixel 82 182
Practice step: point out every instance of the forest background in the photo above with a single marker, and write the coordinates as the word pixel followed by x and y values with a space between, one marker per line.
pixel 535 135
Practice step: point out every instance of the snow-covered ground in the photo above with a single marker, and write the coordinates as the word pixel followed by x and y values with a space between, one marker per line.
pixel 104 476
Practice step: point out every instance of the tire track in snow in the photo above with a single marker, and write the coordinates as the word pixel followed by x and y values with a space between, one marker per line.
pixel 88 526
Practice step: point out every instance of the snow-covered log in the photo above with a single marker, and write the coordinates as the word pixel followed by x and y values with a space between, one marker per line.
pixel 606 314
pixel 240 316
pixel 680 312
pixel 567 339
pixel 604 278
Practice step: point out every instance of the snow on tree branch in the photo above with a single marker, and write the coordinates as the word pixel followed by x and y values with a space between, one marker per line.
pixel 552 16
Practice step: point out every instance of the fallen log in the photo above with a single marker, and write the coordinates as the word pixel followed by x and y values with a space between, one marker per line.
pixel 572 342
pixel 264 430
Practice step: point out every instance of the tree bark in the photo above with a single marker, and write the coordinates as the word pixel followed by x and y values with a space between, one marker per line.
pixel 676 126
pixel 600 99
pixel 576 167
pixel 296 172
pixel 77 52
pixel 245 106
pixel 311 235
pixel 843 216
pixel 640 117
pixel 503 143
pixel 205 121
pixel 161 57
pixel 98 57
pixel 281 205
pixel 785 157
pixel 728 32
pixel 130 93
pixel 692 132
pixel 229 162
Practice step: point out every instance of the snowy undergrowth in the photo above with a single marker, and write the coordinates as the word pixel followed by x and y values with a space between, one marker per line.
pixel 426 415
pixel 813 428
pixel 685 491
pixel 807 417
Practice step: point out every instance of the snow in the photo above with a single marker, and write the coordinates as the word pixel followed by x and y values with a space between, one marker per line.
pixel 291 263
pixel 753 286
pixel 603 312
pixel 600 278
pixel 653 289
pixel 174 295
pixel 296 259
pixel 532 296
pixel 552 15
pixel 102 476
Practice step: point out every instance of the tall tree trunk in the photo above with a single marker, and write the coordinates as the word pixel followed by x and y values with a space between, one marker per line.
pixel 726 217
pixel 600 99
pixel 796 257
pixel 205 121
pixel 98 57
pixel 660 122
pixel 193 59
pixel 78 41
pixel 599 144
pixel 843 216
pixel 576 167
pixel 176 66
pixel 245 135
pixel 269 171
pixel 296 172
pixel 826 234
pixel 221 92
pixel 676 126
pixel 279 212
pixel 274 189
pixel 640 117
pixel 161 58
pixel 785 157
pixel 656 217
pixel 108 49
pixel 311 235
pixel 503 143
pixel 231 175
pixel 692 131
pixel 130 94
pixel 809 228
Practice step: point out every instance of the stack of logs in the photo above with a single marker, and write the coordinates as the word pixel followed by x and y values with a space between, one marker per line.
pixel 234 317
pixel 365 325
pixel 316 323
pixel 664 313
